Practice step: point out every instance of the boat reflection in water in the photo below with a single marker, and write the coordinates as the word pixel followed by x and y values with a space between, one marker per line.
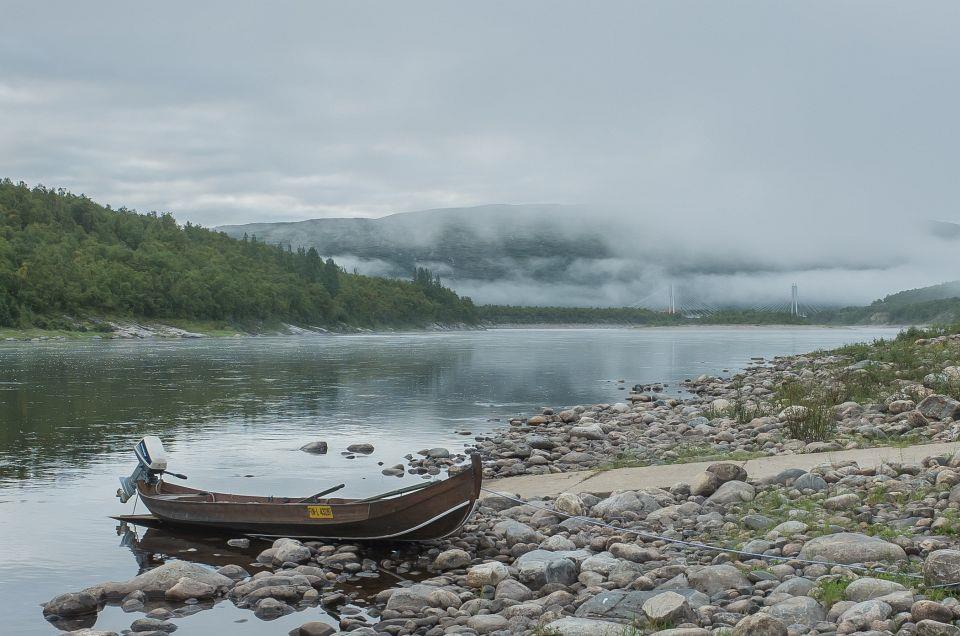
pixel 153 547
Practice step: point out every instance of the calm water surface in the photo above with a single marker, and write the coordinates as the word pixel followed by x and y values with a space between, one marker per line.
pixel 232 414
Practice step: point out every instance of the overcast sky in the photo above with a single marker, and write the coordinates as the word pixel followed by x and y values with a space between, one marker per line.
pixel 233 112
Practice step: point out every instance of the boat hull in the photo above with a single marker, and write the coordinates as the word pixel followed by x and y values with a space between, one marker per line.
pixel 435 511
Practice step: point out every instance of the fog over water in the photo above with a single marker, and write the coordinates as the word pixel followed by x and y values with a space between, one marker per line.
pixel 750 144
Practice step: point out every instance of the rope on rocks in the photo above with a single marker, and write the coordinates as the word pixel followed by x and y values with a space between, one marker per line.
pixel 714 548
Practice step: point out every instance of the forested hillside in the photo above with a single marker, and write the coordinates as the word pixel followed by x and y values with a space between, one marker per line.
pixel 936 304
pixel 523 315
pixel 62 254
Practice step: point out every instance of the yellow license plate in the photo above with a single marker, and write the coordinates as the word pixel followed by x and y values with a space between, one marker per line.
pixel 320 512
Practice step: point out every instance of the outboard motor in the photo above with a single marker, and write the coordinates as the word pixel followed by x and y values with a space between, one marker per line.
pixel 152 463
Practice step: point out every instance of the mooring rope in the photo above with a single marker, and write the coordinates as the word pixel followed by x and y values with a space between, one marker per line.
pixel 713 548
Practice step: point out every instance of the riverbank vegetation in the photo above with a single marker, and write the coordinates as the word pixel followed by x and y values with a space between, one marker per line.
pixel 904 370
pixel 64 257
pixel 524 315
pixel 881 312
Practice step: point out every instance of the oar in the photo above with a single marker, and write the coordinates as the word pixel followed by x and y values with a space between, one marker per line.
pixel 399 491
pixel 322 493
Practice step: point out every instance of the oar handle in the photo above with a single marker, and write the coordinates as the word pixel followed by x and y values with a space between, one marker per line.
pixel 317 496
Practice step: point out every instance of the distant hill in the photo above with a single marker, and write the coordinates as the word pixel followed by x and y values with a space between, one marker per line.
pixel 938 304
pixel 545 254
pixel 489 242
pixel 64 255
pixel 923 294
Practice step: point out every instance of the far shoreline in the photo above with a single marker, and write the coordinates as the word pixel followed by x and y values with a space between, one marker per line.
pixel 152 331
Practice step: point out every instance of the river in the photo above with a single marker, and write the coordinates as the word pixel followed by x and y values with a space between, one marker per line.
pixel 233 413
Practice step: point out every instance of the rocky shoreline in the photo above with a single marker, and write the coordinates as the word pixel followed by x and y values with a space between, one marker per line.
pixel 838 549
pixel 151 330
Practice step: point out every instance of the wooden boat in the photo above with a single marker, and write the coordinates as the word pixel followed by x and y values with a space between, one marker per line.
pixel 430 510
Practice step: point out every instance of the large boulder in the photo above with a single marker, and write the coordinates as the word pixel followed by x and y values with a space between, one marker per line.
pixel 942 567
pixel 851 547
pixel 187 588
pixel 268 609
pixel 444 598
pixel 810 481
pixel 733 492
pixel 935 628
pixel 513 590
pixel 290 551
pixel 157 581
pixel 725 471
pixel 313 628
pixel 452 559
pixel 789 528
pixel 786 477
pixel 71 605
pixel 939 407
pixel 713 579
pixel 588 431
pixel 558 543
pixel 627 605
pixel 286 586
pixel 668 607
pixel 797 610
pixel 846 501
pixel 629 501
pixel 862 615
pixel 632 552
pixel 515 532
pixel 797 586
pixel 704 484
pixel 414 598
pixel 896 407
pixel 152 625
pixel 569 503
pixel 486 574
pixel 540 567
pixel 540 442
pixel 487 623
pixel 931 610
pixel 866 588
pixel 583 627
pixel 760 625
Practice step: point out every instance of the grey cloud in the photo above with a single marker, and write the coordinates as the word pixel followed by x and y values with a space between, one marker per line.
pixel 737 135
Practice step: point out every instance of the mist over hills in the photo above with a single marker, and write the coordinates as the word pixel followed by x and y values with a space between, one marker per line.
pixel 547 254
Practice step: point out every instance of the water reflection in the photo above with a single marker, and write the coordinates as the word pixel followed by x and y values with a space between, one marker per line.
pixel 152 547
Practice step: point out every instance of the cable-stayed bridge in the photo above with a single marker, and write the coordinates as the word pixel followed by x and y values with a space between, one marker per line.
pixel 668 299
